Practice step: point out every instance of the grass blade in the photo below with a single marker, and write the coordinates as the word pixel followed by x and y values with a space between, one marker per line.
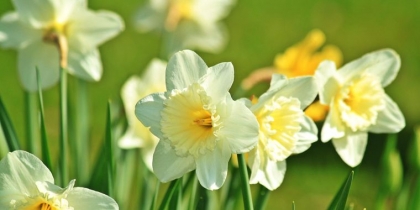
pixel 340 199
pixel 173 187
pixel 262 198
pixel 109 153
pixel 44 140
pixel 8 129
pixel 293 205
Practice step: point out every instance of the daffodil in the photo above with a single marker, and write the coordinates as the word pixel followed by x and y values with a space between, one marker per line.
pixel 284 128
pixel 358 102
pixel 26 183
pixel 301 59
pixel 33 30
pixel 138 136
pixel 187 24
pixel 198 124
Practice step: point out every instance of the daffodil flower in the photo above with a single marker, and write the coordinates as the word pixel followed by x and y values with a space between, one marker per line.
pixel 284 128
pixel 192 24
pixel 358 102
pixel 33 30
pixel 138 136
pixel 301 59
pixel 198 124
pixel 26 183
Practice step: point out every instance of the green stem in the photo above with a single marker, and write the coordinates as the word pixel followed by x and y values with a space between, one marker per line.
pixel 31 123
pixel 262 198
pixel 82 132
pixel 63 126
pixel 246 190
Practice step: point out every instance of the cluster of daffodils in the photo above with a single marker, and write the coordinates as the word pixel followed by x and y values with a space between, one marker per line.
pixel 26 183
pixel 53 33
pixel 199 126
pixel 187 24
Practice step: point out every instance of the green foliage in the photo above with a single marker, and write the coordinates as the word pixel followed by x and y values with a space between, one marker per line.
pixel 340 199
pixel 8 129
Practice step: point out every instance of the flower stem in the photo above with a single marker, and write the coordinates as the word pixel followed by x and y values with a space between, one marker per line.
pixel 82 132
pixel 63 126
pixel 246 190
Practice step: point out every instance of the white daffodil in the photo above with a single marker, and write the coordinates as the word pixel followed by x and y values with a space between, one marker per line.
pixel 284 128
pixel 192 24
pixel 197 122
pixel 358 102
pixel 134 89
pixel 33 30
pixel 26 183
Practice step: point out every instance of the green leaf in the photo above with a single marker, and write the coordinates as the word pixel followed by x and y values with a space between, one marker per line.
pixel 109 153
pixel 262 198
pixel 173 187
pixel 8 129
pixel 44 139
pixel 340 199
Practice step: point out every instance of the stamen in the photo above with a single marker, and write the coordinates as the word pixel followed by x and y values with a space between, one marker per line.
pixel 46 206
pixel 207 122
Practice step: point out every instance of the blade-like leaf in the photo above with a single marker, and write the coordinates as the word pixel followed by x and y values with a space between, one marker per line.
pixel 44 140
pixel 340 199
pixel 262 198
pixel 110 153
pixel 173 187
pixel 8 129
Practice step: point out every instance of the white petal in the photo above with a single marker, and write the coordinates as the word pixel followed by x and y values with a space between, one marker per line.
pixel 307 135
pixel 211 11
pixel 89 29
pixel 167 166
pixel 327 84
pixel 211 38
pixel 86 65
pixel 212 167
pixel 390 120
pixel 130 140
pixel 16 34
pixel 82 198
pixel 333 126
pixel 240 127
pixel 148 112
pixel 148 19
pixel 19 172
pixel 41 55
pixel 268 173
pixel 382 63
pixel 147 152
pixel 351 147
pixel 64 9
pixel 38 13
pixel 218 81
pixel 302 88
pixel 184 68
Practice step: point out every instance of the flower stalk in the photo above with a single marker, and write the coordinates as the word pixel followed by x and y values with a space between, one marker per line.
pixel 246 190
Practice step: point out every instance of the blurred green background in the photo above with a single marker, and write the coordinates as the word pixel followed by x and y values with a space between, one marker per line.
pixel 258 31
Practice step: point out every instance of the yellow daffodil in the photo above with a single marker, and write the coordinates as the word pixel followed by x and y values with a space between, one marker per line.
pixel 284 128
pixel 134 89
pixel 300 60
pixel 192 24
pixel 197 122
pixel 26 183
pixel 33 30
pixel 358 102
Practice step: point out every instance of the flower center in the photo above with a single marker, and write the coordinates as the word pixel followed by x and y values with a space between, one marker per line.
pixel 178 10
pixel 189 121
pixel 52 32
pixel 360 101
pixel 279 124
